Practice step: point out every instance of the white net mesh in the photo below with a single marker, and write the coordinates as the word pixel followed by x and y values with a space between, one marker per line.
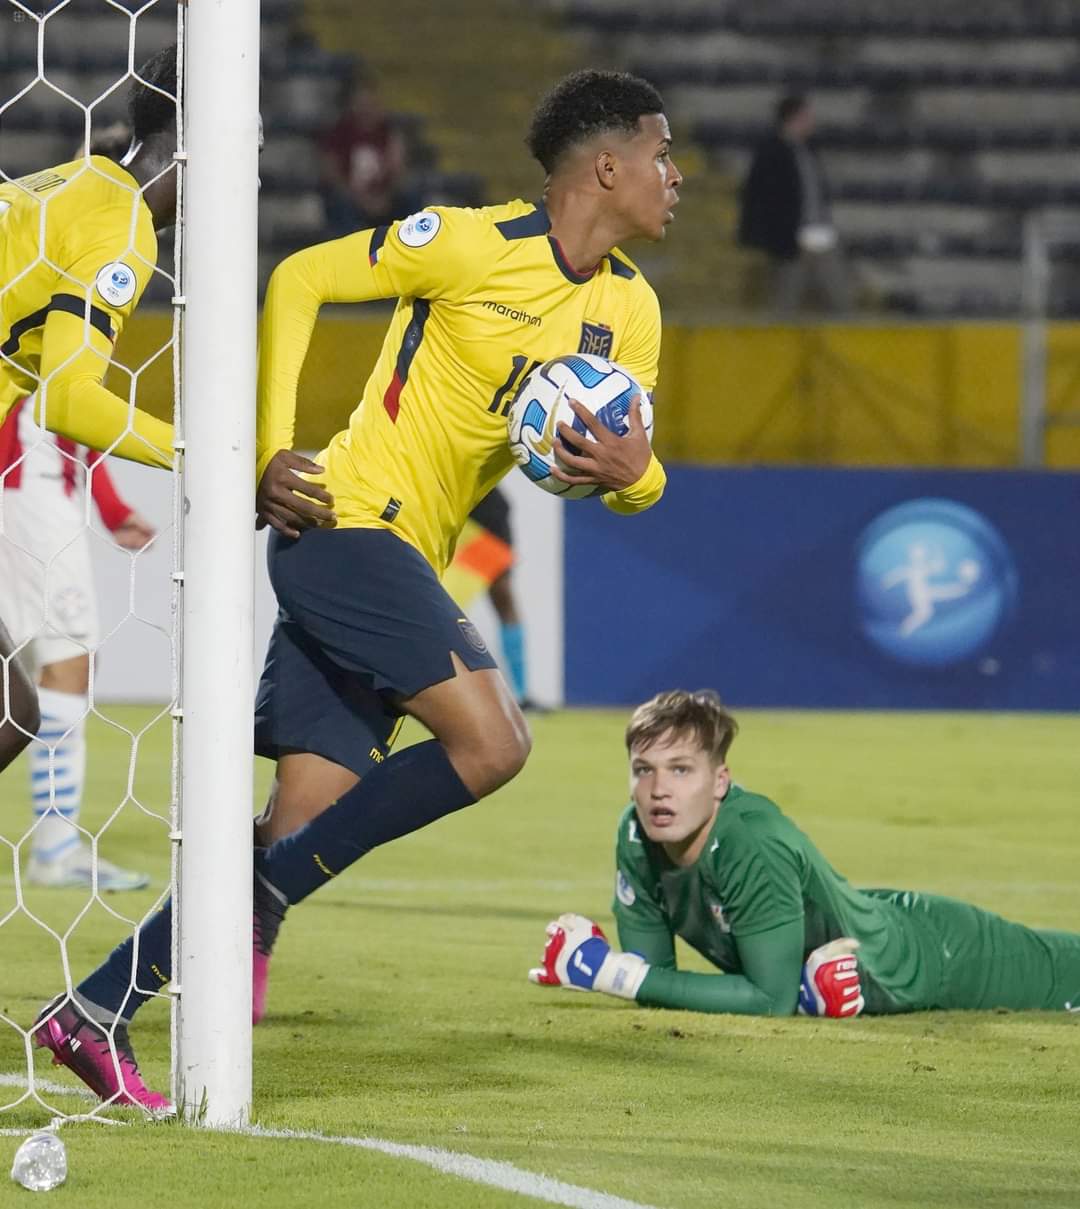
pixel 75 848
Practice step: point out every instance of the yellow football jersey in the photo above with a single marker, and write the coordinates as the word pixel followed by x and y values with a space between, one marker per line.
pixel 77 248
pixel 485 296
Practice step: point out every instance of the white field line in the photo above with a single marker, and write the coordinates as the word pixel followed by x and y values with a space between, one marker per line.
pixel 491 1172
pixel 468 1167
pixel 47 1085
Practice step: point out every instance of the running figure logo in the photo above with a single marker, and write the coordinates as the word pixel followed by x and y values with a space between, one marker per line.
pixel 934 582
pixel 920 576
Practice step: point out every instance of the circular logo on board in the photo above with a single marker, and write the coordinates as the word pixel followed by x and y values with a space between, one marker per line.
pixel 116 283
pixel 934 582
pixel 419 229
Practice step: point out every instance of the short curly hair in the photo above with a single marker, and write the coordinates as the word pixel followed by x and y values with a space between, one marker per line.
pixel 149 111
pixel 586 103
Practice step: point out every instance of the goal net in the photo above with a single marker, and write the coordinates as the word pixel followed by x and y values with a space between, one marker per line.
pixel 94 835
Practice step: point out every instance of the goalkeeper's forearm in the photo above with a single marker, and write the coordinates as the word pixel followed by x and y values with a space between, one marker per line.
pixel 692 992
pixel 771 962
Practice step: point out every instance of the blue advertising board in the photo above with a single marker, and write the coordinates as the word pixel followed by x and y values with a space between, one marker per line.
pixel 885 589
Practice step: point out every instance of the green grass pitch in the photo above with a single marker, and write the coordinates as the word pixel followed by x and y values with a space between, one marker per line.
pixel 399 1008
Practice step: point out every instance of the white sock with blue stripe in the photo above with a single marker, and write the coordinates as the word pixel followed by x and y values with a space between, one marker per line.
pixel 57 771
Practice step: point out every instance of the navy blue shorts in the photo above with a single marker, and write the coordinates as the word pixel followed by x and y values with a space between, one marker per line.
pixel 363 624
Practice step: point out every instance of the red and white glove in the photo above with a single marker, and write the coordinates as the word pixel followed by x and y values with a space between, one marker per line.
pixel 830 983
pixel 577 956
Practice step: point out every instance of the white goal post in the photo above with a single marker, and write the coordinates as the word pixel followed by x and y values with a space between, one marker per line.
pixel 212 926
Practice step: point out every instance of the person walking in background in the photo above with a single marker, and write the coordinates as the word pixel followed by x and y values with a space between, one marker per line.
pixel 784 212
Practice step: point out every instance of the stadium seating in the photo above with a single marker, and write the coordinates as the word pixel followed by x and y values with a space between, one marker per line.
pixel 86 53
pixel 940 125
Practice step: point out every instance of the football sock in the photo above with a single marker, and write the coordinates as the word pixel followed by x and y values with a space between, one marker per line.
pixel 512 635
pixel 412 788
pixel 57 771
pixel 110 991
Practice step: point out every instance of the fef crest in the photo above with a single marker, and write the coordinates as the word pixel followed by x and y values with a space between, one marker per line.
pixel 596 339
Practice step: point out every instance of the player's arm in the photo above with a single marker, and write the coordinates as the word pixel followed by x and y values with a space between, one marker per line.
pixel 73 402
pixel 642 923
pixel 111 506
pixel 774 979
pixel 768 986
pixel 578 956
pixel 625 464
pixel 130 531
pixel 399 260
pixel 337 271
pixel 82 326
pixel 20 717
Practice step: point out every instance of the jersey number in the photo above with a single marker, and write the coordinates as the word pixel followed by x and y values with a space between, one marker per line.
pixel 504 397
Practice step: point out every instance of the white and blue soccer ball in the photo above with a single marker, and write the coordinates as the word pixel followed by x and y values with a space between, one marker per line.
pixel 543 401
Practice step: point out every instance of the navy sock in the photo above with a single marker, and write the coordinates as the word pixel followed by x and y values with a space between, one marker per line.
pixel 412 788
pixel 109 988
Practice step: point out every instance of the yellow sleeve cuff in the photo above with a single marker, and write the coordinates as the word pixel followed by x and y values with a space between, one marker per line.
pixel 640 495
pixel 261 462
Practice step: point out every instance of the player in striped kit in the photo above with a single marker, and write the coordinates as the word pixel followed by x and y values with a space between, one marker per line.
pixel 47 598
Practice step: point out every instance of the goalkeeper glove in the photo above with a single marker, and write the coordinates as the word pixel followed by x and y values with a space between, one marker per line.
pixel 830 981
pixel 577 956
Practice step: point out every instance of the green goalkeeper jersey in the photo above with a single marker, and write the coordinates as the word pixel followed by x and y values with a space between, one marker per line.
pixel 761 897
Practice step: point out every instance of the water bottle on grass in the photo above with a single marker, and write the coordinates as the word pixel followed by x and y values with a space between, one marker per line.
pixel 40 1162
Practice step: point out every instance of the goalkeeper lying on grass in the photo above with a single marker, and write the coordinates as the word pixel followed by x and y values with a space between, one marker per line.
pixel 702 858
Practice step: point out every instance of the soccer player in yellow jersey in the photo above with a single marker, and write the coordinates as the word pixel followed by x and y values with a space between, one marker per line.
pixel 77 248
pixel 366 633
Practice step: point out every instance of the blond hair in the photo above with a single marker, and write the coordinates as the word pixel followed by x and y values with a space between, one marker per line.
pixel 677 712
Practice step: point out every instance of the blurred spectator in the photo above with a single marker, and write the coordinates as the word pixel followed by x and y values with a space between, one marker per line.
pixel 785 214
pixel 363 164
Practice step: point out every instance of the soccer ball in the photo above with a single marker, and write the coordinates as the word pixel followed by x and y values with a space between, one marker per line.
pixel 543 401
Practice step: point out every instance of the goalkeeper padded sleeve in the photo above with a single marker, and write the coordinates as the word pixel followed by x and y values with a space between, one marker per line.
pixel 769 986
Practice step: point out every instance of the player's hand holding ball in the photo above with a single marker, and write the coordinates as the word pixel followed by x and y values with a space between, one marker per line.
pixel 288 503
pixel 604 458
pixel 577 956
pixel 581 425
pixel 830 983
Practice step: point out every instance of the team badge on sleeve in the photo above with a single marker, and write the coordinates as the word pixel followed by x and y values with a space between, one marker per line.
pixel 116 283
pixel 624 892
pixel 419 229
